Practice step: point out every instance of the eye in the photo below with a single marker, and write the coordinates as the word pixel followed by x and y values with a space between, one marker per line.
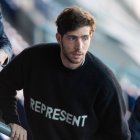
pixel 71 38
pixel 85 37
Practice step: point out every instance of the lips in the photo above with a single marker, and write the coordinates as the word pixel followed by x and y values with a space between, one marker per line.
pixel 77 55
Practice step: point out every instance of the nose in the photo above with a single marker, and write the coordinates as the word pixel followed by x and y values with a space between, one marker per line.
pixel 79 44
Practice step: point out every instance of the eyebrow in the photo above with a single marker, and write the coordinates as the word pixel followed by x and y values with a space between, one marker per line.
pixel 75 35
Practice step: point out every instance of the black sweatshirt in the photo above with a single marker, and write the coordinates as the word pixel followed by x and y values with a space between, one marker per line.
pixel 60 103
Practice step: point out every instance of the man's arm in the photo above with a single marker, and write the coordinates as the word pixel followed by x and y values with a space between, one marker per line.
pixel 111 109
pixel 11 79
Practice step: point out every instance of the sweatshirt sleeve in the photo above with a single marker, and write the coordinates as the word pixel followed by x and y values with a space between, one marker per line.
pixel 11 80
pixel 111 111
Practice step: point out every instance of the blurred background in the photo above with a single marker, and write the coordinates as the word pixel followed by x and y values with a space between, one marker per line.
pixel 116 40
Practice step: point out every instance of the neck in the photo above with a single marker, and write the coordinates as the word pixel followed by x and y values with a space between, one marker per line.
pixel 71 65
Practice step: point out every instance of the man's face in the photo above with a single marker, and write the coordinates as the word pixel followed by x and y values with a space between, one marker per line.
pixel 74 46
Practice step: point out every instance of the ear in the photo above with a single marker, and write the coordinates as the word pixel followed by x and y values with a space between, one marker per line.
pixel 91 34
pixel 58 37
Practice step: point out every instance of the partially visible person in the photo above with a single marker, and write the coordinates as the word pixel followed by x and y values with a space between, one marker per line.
pixel 68 92
pixel 6 52
pixel 134 121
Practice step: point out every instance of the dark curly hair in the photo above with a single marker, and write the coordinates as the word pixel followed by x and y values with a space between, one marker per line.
pixel 73 18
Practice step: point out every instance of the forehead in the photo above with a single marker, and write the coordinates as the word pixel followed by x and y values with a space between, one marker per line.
pixel 80 31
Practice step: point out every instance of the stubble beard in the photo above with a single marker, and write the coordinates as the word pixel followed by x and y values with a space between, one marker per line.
pixel 65 54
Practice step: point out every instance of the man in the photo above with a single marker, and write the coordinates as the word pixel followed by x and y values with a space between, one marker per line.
pixel 69 93
pixel 6 52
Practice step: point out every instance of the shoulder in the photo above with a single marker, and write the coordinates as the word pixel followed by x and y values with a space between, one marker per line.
pixel 99 66
pixel 38 52
pixel 103 73
pixel 40 49
pixel 42 46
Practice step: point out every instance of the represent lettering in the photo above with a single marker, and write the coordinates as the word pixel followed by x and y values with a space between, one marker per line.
pixel 57 114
